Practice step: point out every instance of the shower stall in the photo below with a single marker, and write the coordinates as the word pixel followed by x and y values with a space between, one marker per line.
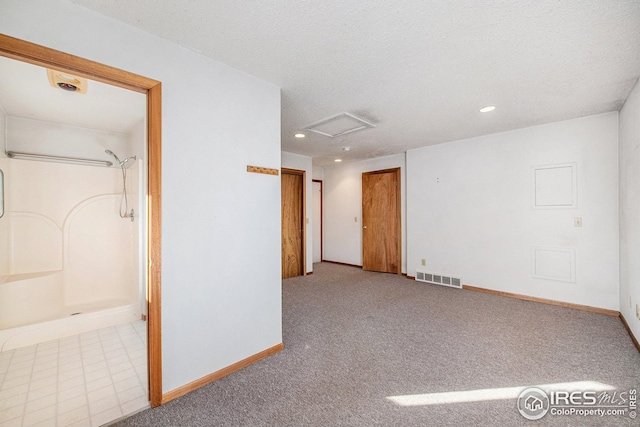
pixel 71 232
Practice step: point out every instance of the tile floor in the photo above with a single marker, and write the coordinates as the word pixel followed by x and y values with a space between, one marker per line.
pixel 84 380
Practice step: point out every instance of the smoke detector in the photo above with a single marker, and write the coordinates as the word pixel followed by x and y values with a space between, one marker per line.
pixel 66 81
pixel 340 124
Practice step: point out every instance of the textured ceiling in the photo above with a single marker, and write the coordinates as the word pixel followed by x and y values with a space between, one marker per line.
pixel 419 69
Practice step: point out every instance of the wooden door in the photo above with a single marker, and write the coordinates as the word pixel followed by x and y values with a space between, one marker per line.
pixel 381 238
pixel 292 223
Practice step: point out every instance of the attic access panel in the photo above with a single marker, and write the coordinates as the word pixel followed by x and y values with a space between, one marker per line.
pixel 338 125
pixel 555 186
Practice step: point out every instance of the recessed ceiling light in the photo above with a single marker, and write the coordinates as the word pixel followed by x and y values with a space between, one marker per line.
pixel 487 108
pixel 346 148
pixel 299 135
pixel 337 160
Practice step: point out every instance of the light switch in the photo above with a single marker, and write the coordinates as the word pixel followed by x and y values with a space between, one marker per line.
pixel 355 219
pixel 577 221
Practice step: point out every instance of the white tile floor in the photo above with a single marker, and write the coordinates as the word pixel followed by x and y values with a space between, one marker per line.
pixel 84 380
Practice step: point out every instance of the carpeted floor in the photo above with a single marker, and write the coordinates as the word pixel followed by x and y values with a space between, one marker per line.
pixel 359 345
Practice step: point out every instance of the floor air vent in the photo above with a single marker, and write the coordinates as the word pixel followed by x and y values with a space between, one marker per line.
pixel 438 279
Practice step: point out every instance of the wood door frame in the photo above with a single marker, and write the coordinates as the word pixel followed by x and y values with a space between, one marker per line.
pixel 21 50
pixel 398 173
pixel 321 218
pixel 303 174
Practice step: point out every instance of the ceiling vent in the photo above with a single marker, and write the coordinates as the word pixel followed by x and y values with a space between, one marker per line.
pixel 338 125
pixel 67 82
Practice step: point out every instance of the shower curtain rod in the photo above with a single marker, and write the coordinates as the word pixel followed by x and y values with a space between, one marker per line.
pixel 17 155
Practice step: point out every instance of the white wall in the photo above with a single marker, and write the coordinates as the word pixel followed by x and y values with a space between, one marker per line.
pixel 470 210
pixel 318 173
pixel 296 161
pixel 630 209
pixel 343 202
pixel 41 137
pixel 220 224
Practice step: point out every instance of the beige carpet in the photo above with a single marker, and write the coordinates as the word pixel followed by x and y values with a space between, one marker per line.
pixel 364 349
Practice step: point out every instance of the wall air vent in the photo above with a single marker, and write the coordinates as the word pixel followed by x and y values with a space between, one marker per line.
pixel 439 279
pixel 338 125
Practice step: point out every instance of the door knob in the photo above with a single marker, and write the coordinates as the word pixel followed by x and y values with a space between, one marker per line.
pixel 364 226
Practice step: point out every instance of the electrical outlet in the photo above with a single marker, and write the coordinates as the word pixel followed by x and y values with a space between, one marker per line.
pixel 423 261
pixel 638 311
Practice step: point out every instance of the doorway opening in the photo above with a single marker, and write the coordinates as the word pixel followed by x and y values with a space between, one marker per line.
pixel 293 223
pixel 381 221
pixel 316 218
pixel 51 59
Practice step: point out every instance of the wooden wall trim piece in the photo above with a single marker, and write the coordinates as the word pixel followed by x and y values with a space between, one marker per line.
pixel 544 301
pixel 187 388
pixel 45 57
pixel 42 56
pixel 626 326
pixel 259 169
pixel 154 242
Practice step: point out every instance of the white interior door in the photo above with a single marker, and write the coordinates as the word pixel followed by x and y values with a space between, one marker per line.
pixel 317 221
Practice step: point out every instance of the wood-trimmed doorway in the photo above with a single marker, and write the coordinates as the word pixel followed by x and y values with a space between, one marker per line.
pixel 317 220
pixel 381 221
pixel 49 58
pixel 293 223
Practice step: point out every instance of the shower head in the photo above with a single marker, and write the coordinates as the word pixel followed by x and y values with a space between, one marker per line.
pixel 127 159
pixel 111 153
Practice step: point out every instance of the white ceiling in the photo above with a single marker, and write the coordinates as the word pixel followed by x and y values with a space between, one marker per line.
pixel 25 92
pixel 419 69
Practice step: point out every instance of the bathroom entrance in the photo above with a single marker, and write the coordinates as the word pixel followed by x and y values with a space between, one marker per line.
pixel 67 162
